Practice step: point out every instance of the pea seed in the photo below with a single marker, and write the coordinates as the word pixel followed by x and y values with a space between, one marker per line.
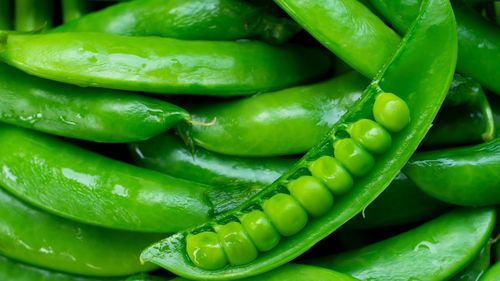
pixel 238 247
pixel 391 111
pixel 312 194
pixel 353 157
pixel 332 173
pixel 370 135
pixel 205 250
pixel 285 213
pixel 260 229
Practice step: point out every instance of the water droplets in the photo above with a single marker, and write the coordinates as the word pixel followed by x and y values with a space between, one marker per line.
pixel 31 119
pixel 425 246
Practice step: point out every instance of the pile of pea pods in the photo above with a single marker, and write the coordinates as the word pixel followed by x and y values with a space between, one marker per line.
pixel 249 140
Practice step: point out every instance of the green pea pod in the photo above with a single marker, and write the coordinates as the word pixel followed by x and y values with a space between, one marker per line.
pixel 464 176
pixel 492 274
pixel 168 154
pixel 74 9
pixel 6 15
pixel 192 19
pixel 436 250
pixel 479 43
pixel 296 272
pixel 264 125
pixel 15 271
pixel 97 190
pixel 477 268
pixel 162 65
pixel 44 240
pixel 84 113
pixel 33 14
pixel 290 216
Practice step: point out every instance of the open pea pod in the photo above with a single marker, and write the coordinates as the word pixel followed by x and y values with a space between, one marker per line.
pixel 434 251
pixel 296 211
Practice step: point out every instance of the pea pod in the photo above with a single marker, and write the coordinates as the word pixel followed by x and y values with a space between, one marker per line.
pixel 492 274
pixel 6 15
pixel 479 43
pixel 146 64
pixel 463 176
pixel 33 14
pixel 202 253
pixel 74 9
pixel 97 190
pixel 477 267
pixel 84 113
pixel 436 250
pixel 193 19
pixel 44 240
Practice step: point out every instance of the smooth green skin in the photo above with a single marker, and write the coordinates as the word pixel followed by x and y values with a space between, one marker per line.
pixel 168 154
pixel 74 9
pixel 237 245
pixel 312 194
pixel 97 190
pixel 370 135
pixel 286 214
pixel 391 112
pixel 478 40
pixel 492 274
pixel 33 15
pixel 401 203
pixel 437 250
pixel 260 229
pixel 349 29
pixel 332 173
pixel 147 277
pixel 466 176
pixel 145 63
pixel 48 241
pixel 91 114
pixel 296 272
pixel 205 249
pixel 353 156
pixel 424 91
pixel 477 267
pixel 6 14
pixel 190 20
pixel 14 271
pixel 263 125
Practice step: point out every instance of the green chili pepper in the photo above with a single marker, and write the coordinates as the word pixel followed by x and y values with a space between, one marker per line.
pixel 479 43
pixel 6 15
pixel 85 113
pixel 192 19
pixel 463 176
pixel 437 250
pixel 264 125
pixel 33 14
pixel 74 9
pixel 423 92
pixel 162 65
pixel 97 190
pixel 44 240
pixel 492 274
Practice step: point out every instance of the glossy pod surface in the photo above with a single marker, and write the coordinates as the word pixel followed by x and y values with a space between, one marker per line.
pixel 464 176
pixel 192 19
pixel 44 240
pixel 492 274
pixel 434 251
pixel 84 113
pixel 146 64
pixel 423 96
pixel 263 125
pixel 97 190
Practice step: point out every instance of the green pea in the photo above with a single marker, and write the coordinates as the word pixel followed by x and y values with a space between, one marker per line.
pixel 332 173
pixel 391 111
pixel 205 250
pixel 353 156
pixel 238 247
pixel 260 229
pixel 312 194
pixel 371 135
pixel 285 213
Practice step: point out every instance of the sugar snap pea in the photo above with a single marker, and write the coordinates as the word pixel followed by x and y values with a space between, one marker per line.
pixel 85 113
pixel 451 241
pixel 48 241
pixel 162 65
pixel 33 14
pixel 192 19
pixel 200 252
pixel 97 190
pixel 74 9
pixel 492 274
pixel 6 15
pixel 477 267
pixel 464 176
